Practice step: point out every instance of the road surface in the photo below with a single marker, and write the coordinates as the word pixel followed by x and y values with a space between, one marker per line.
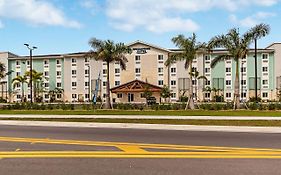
pixel 72 151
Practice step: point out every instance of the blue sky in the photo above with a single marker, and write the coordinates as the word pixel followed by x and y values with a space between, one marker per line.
pixel 62 26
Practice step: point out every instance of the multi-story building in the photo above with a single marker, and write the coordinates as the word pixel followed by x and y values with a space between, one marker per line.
pixel 77 75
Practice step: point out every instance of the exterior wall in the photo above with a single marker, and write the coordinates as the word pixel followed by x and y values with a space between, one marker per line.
pixel 152 70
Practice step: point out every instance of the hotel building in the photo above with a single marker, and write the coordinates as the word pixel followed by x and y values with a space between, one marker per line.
pixel 78 75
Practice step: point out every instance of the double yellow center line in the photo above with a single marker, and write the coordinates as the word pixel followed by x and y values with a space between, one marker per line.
pixel 137 150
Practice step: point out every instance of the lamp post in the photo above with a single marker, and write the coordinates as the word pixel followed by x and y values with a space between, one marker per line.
pixel 30 57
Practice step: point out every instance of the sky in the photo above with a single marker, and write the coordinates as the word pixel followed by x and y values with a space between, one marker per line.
pixel 66 26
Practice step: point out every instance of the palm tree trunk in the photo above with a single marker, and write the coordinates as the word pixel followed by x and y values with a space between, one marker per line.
pixel 22 92
pixel 190 101
pixel 236 87
pixel 107 101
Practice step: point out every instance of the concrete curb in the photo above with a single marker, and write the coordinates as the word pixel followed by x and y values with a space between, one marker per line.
pixel 145 126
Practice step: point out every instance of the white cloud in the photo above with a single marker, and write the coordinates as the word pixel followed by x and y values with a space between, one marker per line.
pixel 168 15
pixel 1 24
pixel 35 12
pixel 252 20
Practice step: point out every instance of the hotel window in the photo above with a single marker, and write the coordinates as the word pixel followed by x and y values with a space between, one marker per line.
pixel 243 82
pixel 73 60
pixel 74 95
pixel 17 63
pixel 74 84
pixel 104 71
pixel 104 83
pixel 58 85
pixel 87 71
pixel 18 96
pixel 18 85
pixel 264 94
pixel 173 95
pixel 59 96
pixel 228 95
pixel 160 82
pixel 73 72
pixel 87 60
pixel 18 73
pixel 160 57
pixel 46 95
pixel 243 69
pixel 228 82
pixel 119 95
pixel 86 95
pixel 46 85
pixel 173 70
pixel 117 71
pixel 46 74
pixel 207 58
pixel 137 58
pixel 160 69
pixel 87 83
pixel 173 82
pixel 243 95
pixel 208 83
pixel 265 69
pixel 28 62
pixel 138 70
pixel 265 82
pixel 194 69
pixel 207 70
pixel 207 95
pixel 117 83
pixel 264 56
pixel 58 73
pixel 194 82
pixel 228 69
pixel 46 62
pixel 58 61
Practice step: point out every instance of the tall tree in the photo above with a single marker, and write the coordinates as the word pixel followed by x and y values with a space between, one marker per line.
pixel 189 48
pixel 195 75
pixel 37 80
pixel 237 46
pixel 109 52
pixel 20 80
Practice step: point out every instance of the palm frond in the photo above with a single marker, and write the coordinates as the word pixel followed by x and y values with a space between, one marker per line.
pixel 218 59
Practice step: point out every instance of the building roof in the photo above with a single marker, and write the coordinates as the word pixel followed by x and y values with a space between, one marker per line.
pixel 136 86
pixel 148 44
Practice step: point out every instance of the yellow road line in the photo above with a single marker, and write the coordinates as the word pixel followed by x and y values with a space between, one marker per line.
pixel 138 150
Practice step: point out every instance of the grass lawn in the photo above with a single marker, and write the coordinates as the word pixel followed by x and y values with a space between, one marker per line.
pixel 158 121
pixel 163 113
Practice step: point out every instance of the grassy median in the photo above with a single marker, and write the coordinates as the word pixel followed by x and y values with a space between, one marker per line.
pixel 161 113
pixel 272 123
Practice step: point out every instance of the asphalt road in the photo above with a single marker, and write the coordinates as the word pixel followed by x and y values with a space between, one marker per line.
pixel 131 166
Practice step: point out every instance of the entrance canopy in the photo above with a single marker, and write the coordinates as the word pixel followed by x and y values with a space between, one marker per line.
pixel 135 86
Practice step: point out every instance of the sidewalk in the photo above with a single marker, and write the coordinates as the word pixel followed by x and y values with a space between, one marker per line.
pixel 145 126
pixel 143 117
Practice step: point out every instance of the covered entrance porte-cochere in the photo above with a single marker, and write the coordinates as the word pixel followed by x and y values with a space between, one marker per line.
pixel 133 92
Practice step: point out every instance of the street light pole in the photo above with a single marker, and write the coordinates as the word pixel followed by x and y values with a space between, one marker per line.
pixel 30 70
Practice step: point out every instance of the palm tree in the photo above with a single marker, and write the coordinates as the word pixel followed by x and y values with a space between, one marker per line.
pixel 189 48
pixel 109 52
pixel 37 79
pixel 53 93
pixel 20 80
pixel 195 75
pixel 237 47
